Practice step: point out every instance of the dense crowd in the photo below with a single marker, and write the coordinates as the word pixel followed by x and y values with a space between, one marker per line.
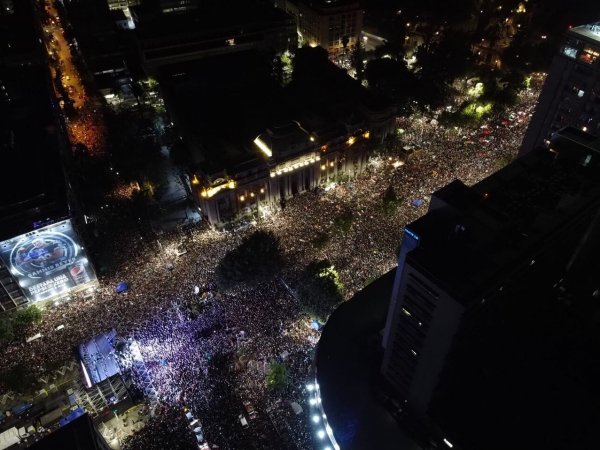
pixel 159 433
pixel 208 349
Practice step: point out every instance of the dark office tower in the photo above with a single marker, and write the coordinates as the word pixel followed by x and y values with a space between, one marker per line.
pixel 515 235
pixel 571 94
pixel 76 434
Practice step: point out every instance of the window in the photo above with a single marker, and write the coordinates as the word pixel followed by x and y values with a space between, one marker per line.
pixel 589 55
pixel 570 52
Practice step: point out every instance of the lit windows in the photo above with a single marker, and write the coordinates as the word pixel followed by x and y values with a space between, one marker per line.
pixel 589 55
pixel 570 52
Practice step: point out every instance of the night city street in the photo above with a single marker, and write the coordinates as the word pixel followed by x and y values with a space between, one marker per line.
pixel 302 225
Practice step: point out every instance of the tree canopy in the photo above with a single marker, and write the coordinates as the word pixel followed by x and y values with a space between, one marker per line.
pixel 343 222
pixel 390 201
pixel 390 77
pixel 277 377
pixel 446 59
pixel 15 325
pixel 257 258
pixel 320 289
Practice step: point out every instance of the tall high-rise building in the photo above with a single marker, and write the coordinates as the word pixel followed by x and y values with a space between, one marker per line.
pixel 41 253
pixel 121 4
pixel 571 93
pixel 477 246
pixel 333 24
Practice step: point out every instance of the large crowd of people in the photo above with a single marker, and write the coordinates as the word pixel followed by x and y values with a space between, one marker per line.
pixel 209 349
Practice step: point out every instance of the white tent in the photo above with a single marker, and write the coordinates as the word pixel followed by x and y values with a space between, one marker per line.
pixel 296 407
pixel 9 438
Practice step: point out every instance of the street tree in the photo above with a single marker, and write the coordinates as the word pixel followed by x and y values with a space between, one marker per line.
pixel 390 78
pixel 320 240
pixel 343 222
pixel 277 378
pixel 24 318
pixel 257 258
pixel 20 378
pixel 357 57
pixel 445 59
pixel 320 289
pixel 390 201
pixel 6 331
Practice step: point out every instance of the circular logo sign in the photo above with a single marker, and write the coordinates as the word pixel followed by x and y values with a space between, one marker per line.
pixel 42 254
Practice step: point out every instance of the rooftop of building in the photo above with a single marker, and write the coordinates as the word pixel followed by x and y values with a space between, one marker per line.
pixel 527 363
pixel 32 185
pixel 589 32
pixel 97 35
pixel 492 226
pixel 16 37
pixel 223 103
pixel 572 137
pixel 213 19
pixel 224 106
pixel 328 6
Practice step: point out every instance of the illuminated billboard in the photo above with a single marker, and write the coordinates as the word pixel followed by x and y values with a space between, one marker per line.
pixel 48 262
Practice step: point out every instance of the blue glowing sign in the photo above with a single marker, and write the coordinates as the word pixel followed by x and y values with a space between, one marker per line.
pixel 412 234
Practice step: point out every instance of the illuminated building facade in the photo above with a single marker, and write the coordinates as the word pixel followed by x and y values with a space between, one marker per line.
pixel 333 24
pixel 479 247
pixel 41 254
pixel 287 160
pixel 254 144
pixel 121 4
pixel 46 263
pixel 571 93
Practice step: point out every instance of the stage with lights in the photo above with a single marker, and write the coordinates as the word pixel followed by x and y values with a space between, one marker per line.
pixel 98 358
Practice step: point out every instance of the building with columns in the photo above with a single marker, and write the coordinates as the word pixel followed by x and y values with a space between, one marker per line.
pixel 253 144
pixel 335 25
pixel 288 160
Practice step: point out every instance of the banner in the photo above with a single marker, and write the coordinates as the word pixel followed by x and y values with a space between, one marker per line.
pixel 47 262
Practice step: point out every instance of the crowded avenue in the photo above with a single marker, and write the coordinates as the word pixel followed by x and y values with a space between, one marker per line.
pixel 213 358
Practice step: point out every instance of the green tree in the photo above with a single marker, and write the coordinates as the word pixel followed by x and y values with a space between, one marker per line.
pixel 277 377
pixel 446 59
pixel 357 57
pixel 320 240
pixel 309 61
pixel 282 67
pixel 390 201
pixel 527 52
pixel 343 222
pixel 6 330
pixel 24 318
pixel 500 91
pixel 345 42
pixel 320 289
pixel 19 379
pixel 257 258
pixel 390 78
